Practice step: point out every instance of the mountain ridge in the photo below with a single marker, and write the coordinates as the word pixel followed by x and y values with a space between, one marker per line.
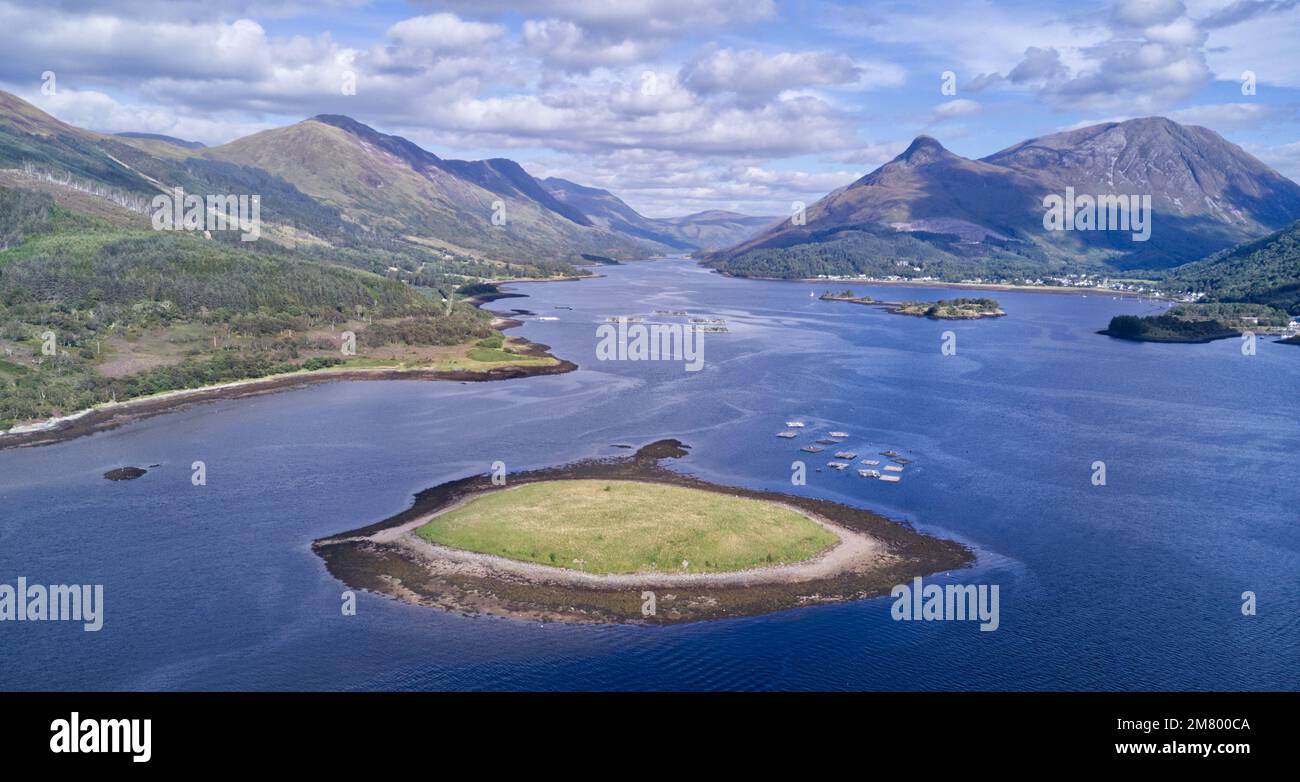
pixel 698 231
pixel 929 205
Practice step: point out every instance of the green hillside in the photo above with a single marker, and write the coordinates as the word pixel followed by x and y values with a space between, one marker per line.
pixel 387 186
pixel 136 312
pixel 324 193
pixel 1266 271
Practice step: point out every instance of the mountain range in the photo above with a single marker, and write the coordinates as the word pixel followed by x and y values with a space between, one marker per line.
pixel 932 212
pixel 331 179
pixel 338 190
pixel 713 229
pixel 368 233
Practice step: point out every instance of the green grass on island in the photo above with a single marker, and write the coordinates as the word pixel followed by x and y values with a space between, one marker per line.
pixel 613 527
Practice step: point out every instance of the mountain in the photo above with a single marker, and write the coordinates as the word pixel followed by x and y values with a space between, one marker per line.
pixel 182 143
pixel 498 175
pixel 606 209
pixel 929 211
pixel 30 137
pixel 1207 192
pixel 926 188
pixel 506 177
pixel 388 184
pixel 331 181
pixel 715 228
pixel 139 311
pixel 704 230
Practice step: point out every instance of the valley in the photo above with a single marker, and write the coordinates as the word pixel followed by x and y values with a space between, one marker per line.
pixel 368 234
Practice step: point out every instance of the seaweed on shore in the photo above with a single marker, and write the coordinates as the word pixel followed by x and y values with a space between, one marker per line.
pixel 361 561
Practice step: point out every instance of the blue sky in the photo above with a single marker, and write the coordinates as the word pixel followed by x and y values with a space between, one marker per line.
pixel 675 105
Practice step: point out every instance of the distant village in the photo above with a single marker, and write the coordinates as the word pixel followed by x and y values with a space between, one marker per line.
pixel 1095 282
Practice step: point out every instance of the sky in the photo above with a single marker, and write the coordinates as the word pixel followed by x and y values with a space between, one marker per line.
pixel 674 105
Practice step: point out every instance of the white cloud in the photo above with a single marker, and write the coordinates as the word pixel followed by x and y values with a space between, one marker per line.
pixel 958 107
pixel 444 32
pixel 1283 157
pixel 633 17
pixel 1141 13
pixel 1259 37
pixel 92 109
pixel 757 75
pixel 630 90
pixel 871 156
pixel 569 46
pixel 1222 115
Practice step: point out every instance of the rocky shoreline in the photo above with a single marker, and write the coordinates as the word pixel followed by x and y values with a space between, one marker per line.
pixel 113 415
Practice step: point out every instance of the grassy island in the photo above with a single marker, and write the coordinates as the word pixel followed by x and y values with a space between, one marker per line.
pixel 629 527
pixel 625 539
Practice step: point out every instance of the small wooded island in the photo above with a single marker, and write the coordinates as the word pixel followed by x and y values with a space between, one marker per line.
pixel 624 539
pixel 1166 328
pixel 1197 323
pixel 943 309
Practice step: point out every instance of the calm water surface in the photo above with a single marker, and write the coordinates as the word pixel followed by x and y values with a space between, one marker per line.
pixel 1134 585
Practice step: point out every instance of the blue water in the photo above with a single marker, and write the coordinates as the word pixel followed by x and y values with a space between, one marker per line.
pixel 1133 585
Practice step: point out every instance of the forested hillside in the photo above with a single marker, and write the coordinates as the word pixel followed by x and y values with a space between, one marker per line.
pixel 131 312
pixel 1261 272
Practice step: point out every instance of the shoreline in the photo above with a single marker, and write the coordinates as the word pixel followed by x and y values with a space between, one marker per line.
pixel 110 415
pixel 1172 341
pixel 980 286
pixel 874 554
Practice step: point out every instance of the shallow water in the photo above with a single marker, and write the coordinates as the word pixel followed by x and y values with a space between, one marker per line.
pixel 1133 585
